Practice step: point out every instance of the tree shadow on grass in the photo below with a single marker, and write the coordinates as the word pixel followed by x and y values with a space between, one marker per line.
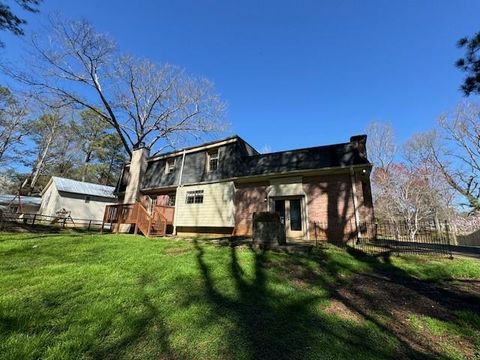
pixel 389 296
pixel 272 325
pixel 452 299
pixel 149 323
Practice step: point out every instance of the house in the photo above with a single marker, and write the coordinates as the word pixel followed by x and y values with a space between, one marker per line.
pixel 81 200
pixel 215 188
pixel 20 204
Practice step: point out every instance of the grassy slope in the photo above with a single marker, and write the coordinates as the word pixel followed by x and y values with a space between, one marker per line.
pixel 93 296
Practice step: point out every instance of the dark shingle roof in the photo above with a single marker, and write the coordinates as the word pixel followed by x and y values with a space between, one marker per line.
pixel 329 156
pixel 240 160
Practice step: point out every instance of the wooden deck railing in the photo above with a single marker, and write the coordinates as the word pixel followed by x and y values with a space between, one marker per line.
pixel 120 214
pixel 168 212
pixel 136 214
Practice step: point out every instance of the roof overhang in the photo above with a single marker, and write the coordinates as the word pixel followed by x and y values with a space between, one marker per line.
pixel 273 176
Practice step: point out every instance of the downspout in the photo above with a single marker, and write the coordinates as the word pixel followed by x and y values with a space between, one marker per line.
pixel 181 170
pixel 178 185
pixel 355 204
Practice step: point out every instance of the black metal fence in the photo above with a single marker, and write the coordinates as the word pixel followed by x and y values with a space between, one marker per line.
pixel 394 237
pixel 36 220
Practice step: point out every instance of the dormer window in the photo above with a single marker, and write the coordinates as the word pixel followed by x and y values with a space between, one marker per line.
pixel 170 167
pixel 212 160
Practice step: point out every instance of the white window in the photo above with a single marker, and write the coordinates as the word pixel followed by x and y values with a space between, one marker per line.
pixel 171 200
pixel 194 197
pixel 212 158
pixel 170 167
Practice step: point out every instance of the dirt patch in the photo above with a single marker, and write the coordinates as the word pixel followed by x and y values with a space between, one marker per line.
pixel 177 251
pixel 389 301
pixel 341 310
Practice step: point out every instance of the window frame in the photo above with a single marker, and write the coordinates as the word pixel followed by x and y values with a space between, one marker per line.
pixel 170 168
pixel 194 197
pixel 213 155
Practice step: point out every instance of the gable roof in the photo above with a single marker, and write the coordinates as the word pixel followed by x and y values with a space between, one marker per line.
pixel 80 187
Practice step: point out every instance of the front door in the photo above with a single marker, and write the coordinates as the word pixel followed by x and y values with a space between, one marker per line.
pixel 291 215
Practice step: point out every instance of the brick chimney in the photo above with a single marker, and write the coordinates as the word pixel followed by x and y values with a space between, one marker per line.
pixel 359 143
pixel 138 166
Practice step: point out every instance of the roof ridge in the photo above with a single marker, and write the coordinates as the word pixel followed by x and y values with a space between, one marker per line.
pixel 196 146
pixel 301 149
pixel 83 182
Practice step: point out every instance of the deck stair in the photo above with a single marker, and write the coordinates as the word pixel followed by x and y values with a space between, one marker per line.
pixel 149 223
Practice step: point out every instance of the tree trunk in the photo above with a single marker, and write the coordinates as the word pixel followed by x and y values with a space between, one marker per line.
pixel 39 165
pixel 88 157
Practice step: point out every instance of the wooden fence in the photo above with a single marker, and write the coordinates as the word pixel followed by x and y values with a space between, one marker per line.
pixel 50 221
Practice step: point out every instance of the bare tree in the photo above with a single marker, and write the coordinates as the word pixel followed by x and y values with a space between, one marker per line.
pixel 381 143
pixel 146 103
pixel 13 124
pixel 409 197
pixel 455 151
pixel 381 152
pixel 406 191
pixel 45 132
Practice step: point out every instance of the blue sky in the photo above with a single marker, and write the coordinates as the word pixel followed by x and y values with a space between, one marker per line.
pixel 298 73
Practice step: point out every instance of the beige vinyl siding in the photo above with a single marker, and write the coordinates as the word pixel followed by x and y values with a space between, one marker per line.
pixel 286 187
pixel 217 209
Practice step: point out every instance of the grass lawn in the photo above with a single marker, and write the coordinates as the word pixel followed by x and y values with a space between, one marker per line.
pixel 80 296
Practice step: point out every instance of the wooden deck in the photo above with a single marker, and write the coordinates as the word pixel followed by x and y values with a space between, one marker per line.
pixel 149 223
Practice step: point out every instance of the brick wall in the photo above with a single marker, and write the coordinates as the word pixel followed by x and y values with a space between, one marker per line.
pixel 249 198
pixel 329 204
pixel 331 208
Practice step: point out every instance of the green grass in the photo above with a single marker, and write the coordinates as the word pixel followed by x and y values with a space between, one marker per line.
pixel 80 296
pixel 453 334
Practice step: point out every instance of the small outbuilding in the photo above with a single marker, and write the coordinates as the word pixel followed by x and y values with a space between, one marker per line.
pixel 81 200
pixel 19 204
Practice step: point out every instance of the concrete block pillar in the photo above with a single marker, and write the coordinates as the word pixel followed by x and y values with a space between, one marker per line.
pixel 138 166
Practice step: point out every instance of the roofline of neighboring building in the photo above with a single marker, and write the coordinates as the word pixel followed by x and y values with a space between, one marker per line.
pixel 92 195
pixel 23 197
pixel 46 186
pixel 76 192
